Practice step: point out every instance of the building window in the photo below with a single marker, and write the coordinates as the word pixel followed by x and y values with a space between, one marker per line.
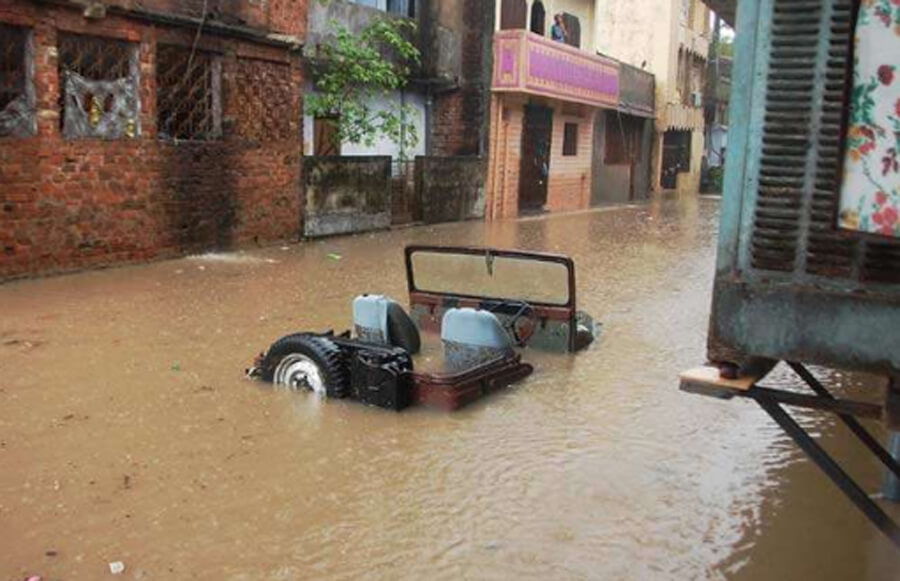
pixel 513 14
pixel 573 29
pixel 17 117
pixel 188 94
pixel 325 136
pixel 538 17
pixel 402 7
pixel 99 87
pixel 570 139
pixel 267 101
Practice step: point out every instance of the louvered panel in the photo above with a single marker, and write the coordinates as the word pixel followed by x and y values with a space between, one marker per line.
pixel 827 252
pixel 882 262
pixel 786 140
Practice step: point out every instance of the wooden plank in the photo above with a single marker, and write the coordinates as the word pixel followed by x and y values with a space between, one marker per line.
pixel 707 381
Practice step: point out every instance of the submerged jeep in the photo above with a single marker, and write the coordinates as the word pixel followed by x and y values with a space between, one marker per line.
pixel 483 303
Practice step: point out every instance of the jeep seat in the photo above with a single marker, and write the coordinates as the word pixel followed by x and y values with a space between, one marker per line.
pixel 472 337
pixel 380 319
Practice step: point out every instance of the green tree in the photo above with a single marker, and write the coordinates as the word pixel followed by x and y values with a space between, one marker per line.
pixel 349 70
pixel 726 47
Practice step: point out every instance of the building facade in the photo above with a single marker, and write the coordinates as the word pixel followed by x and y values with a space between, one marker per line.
pixel 448 93
pixel 569 129
pixel 669 38
pixel 439 175
pixel 133 132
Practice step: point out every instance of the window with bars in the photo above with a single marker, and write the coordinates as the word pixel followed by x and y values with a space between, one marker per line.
pixel 17 117
pixel 188 94
pixel 266 101
pixel 99 87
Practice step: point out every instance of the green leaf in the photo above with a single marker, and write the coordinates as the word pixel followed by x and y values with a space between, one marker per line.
pixel 351 68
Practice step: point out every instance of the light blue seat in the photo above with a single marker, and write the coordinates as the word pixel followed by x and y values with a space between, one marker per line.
pixel 472 337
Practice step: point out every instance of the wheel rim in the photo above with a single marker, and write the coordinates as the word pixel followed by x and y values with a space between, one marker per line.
pixel 298 372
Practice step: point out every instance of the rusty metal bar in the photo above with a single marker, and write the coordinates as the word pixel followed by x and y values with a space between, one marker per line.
pixel 858 430
pixel 842 407
pixel 831 468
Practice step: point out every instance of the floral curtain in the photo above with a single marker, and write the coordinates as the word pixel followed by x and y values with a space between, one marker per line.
pixel 870 195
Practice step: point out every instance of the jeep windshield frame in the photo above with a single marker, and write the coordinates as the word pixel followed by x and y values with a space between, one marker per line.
pixel 490 255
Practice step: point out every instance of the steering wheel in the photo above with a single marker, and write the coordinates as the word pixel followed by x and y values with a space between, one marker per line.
pixel 523 324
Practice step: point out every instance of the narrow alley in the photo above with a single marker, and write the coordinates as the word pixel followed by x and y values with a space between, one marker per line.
pixel 154 450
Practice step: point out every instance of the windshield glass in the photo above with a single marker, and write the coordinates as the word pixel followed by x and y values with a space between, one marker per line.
pixel 491 276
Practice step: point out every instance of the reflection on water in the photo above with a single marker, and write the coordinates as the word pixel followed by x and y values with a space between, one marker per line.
pixel 127 432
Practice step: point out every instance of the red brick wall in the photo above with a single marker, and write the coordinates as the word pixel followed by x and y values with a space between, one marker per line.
pixel 283 16
pixel 461 115
pixel 68 204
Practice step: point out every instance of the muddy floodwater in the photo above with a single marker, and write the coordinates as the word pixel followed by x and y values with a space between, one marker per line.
pixel 128 433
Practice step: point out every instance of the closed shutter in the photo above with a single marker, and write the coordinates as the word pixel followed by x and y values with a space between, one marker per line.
pixel 794 221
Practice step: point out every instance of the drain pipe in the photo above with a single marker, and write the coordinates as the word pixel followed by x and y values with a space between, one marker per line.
pixel 429 113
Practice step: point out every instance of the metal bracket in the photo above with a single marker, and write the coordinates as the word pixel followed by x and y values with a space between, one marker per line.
pixel 771 401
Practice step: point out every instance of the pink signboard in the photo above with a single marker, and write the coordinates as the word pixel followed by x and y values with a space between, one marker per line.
pixel 529 63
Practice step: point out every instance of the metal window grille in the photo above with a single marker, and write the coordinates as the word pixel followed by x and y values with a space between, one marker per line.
pixel 265 100
pixel 12 64
pixel 188 94
pixel 95 58
pixel 99 87
pixel 16 95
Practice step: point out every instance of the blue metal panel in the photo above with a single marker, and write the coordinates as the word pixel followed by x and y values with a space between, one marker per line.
pixel 792 312
pixel 747 104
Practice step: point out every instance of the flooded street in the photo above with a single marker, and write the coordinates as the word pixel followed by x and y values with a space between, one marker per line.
pixel 128 433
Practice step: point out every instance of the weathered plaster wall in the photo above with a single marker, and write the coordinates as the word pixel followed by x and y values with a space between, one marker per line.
pixel 346 194
pixel 461 115
pixel 450 188
pixel 74 203
pixel 641 32
pixel 381 145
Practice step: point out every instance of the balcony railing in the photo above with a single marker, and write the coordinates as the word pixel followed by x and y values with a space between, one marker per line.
pixel 529 63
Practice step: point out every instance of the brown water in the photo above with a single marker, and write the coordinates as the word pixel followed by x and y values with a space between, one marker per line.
pixel 127 431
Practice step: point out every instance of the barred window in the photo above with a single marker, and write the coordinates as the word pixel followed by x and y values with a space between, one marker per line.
pixel 17 117
pixel 188 94
pixel 99 87
pixel 266 100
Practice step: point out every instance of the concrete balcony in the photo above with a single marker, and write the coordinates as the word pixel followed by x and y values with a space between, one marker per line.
pixel 525 62
pixel 693 42
pixel 682 117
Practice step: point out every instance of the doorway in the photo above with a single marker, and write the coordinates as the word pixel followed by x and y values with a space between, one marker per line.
pixel 537 131
pixel 676 157
pixel 538 17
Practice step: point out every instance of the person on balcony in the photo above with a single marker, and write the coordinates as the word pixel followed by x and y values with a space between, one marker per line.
pixel 558 31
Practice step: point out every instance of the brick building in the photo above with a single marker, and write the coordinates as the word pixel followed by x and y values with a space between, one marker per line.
pixel 131 131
